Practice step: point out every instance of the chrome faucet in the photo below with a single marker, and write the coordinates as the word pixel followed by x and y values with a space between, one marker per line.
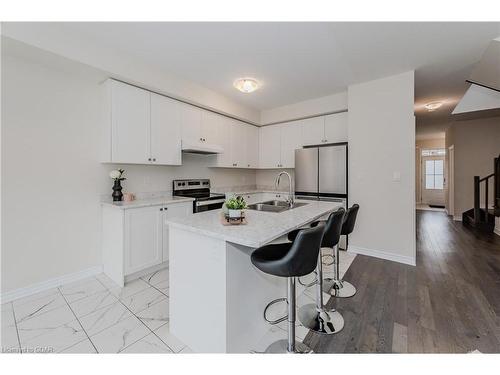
pixel 291 199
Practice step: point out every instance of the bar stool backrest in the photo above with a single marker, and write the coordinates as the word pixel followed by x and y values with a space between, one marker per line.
pixel 350 219
pixel 302 257
pixel 333 227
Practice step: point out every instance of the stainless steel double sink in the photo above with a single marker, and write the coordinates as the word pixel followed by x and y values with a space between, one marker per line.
pixel 274 206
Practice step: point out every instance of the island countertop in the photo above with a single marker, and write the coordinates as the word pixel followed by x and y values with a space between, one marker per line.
pixel 261 228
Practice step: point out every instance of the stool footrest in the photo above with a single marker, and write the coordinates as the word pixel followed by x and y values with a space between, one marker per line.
pixel 279 320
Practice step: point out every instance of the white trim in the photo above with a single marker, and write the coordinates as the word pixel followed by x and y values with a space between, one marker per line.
pixel 457 217
pixel 497 230
pixel 382 255
pixel 49 284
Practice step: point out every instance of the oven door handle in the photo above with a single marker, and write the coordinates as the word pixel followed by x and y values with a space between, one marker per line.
pixel 209 202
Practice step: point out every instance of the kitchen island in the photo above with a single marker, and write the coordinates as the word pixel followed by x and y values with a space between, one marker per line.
pixel 217 297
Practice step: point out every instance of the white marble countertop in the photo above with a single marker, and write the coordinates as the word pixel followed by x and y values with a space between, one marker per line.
pixel 262 227
pixel 147 202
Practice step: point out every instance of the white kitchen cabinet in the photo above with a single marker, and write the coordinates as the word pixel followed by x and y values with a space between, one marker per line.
pixel 144 127
pixel 143 238
pixel 165 131
pixel 190 123
pixel 224 159
pixel 313 130
pixel 336 128
pixel 171 211
pixel 270 146
pixel 324 129
pixel 199 126
pixel 291 139
pixel 252 146
pixel 130 124
pixel 238 144
pixel 136 239
pixel 278 144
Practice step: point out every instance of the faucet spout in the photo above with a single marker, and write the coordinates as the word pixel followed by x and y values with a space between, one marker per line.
pixel 291 198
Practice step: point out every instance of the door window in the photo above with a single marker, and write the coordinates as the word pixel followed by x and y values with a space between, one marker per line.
pixel 434 174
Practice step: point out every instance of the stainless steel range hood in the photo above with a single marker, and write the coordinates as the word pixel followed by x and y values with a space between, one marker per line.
pixel 201 148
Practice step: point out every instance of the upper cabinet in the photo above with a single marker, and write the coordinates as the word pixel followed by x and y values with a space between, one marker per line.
pixel 313 131
pixel 252 148
pixel 130 124
pixel 191 123
pixel 291 139
pixel 148 128
pixel 240 142
pixel 336 128
pixel 270 146
pixel 278 144
pixel 324 129
pixel 144 129
pixel 165 131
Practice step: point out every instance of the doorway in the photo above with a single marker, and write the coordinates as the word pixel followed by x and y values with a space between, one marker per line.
pixel 433 177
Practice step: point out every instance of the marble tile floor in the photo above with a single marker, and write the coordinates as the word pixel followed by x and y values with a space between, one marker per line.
pixel 96 316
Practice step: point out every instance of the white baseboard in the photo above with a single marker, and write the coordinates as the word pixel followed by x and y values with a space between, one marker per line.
pixel 457 217
pixel 382 255
pixel 497 231
pixel 49 284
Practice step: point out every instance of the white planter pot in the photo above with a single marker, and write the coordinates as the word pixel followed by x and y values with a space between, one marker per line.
pixel 234 214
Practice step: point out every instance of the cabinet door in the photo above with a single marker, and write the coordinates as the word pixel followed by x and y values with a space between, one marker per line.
pixel 170 211
pixel 143 238
pixel 336 128
pixel 252 142
pixel 270 146
pixel 291 139
pixel 210 127
pixel 238 144
pixel 165 131
pixel 223 139
pixel 191 123
pixel 313 131
pixel 130 120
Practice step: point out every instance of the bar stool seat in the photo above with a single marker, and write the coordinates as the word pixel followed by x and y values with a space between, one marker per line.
pixel 290 260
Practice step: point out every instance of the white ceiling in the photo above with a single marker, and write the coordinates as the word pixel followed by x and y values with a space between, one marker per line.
pixel 299 61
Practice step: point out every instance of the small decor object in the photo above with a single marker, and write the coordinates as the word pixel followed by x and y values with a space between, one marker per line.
pixel 128 197
pixel 235 207
pixel 117 176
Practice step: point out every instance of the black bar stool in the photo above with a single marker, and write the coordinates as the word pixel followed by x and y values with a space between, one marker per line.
pixel 314 315
pixel 336 286
pixel 290 260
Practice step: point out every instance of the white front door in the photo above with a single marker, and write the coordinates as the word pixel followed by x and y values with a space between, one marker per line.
pixel 433 180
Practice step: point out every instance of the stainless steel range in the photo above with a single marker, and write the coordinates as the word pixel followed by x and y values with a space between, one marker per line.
pixel 199 189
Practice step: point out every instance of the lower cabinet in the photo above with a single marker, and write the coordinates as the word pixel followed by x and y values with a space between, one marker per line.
pixel 136 239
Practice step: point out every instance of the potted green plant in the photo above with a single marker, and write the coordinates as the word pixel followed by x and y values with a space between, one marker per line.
pixel 235 206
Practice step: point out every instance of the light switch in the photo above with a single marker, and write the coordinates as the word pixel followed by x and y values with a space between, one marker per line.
pixel 396 176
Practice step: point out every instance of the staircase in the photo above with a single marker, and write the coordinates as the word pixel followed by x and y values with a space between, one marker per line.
pixel 484 218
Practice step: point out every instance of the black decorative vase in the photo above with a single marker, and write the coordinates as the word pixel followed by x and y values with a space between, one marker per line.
pixel 117 191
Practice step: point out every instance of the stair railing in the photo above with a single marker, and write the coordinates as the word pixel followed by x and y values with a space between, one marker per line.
pixel 477 191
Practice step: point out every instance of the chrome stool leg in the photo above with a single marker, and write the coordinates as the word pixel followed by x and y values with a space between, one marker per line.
pixel 290 345
pixel 337 287
pixel 315 316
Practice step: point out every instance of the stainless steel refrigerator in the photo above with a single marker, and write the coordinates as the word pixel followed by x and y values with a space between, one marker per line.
pixel 321 173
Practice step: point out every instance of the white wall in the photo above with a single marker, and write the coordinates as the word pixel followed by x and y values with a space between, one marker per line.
pixel 48 36
pixel 381 144
pixel 307 108
pixel 52 112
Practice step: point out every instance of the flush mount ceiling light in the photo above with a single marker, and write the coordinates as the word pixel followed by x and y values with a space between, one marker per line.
pixel 432 106
pixel 246 85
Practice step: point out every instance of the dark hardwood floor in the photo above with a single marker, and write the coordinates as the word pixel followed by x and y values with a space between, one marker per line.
pixel 448 303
